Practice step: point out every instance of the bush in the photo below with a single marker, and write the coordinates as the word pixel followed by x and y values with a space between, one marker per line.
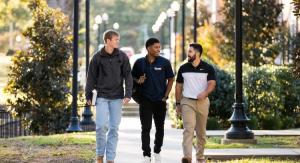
pixel 212 124
pixel 270 122
pixel 288 122
pixel 39 76
pixel 222 99
pixel 272 92
pixel 253 122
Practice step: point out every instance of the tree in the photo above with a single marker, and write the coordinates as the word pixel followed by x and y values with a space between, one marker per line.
pixel 14 11
pixel 296 50
pixel 134 16
pixel 39 75
pixel 260 25
pixel 296 4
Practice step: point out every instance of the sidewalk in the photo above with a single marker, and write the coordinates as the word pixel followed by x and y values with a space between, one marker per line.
pixel 129 146
pixel 289 132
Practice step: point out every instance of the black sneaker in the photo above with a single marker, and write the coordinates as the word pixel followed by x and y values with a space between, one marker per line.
pixel 186 160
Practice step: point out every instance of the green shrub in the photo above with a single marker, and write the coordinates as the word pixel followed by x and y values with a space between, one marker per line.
pixel 222 99
pixel 39 76
pixel 253 122
pixel 212 124
pixel 272 92
pixel 270 122
pixel 288 122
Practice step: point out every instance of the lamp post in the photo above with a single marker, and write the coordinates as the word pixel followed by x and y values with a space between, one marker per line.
pixel 18 40
pixel 175 6
pixel 87 113
pixel 238 132
pixel 116 26
pixel 163 36
pixel 195 20
pixel 183 30
pixel 74 122
pixel 87 35
pixel 170 14
pixel 105 20
pixel 161 21
pixel 98 21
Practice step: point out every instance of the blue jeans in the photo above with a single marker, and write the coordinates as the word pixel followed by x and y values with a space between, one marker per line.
pixel 108 118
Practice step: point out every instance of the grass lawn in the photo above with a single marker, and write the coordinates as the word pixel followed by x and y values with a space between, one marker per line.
pixel 80 147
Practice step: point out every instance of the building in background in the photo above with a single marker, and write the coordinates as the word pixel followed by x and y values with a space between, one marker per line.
pixel 288 16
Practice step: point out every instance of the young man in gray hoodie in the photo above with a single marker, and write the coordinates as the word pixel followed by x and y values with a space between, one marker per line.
pixel 108 69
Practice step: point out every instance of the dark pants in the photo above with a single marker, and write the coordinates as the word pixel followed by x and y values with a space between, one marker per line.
pixel 157 110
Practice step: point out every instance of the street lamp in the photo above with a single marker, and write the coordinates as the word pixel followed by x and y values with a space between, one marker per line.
pixel 195 20
pixel 170 15
pixel 74 122
pixel 238 132
pixel 161 20
pixel 183 30
pixel 87 113
pixel 175 7
pixel 105 20
pixel 98 21
pixel 116 26
pixel 18 38
pixel 95 27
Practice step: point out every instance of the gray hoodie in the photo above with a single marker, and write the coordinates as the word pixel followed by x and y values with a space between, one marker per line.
pixel 107 73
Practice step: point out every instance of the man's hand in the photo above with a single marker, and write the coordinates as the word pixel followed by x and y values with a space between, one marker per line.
pixel 178 110
pixel 142 79
pixel 126 100
pixel 202 96
pixel 164 99
pixel 89 102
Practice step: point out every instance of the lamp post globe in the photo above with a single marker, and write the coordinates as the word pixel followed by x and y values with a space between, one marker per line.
pixel 116 26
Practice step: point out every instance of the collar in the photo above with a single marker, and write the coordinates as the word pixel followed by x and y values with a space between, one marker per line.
pixel 104 53
pixel 155 59
pixel 200 63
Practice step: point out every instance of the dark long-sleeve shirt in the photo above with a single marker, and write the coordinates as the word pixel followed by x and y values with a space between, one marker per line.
pixel 107 73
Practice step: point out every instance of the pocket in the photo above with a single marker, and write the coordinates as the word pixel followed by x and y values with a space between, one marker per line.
pixel 183 101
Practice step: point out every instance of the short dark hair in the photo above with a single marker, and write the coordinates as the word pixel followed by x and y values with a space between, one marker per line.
pixel 109 34
pixel 151 41
pixel 197 47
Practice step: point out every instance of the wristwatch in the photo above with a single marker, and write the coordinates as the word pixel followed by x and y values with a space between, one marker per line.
pixel 177 103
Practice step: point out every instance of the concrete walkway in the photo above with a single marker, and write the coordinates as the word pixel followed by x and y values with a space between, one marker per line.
pixel 289 132
pixel 129 146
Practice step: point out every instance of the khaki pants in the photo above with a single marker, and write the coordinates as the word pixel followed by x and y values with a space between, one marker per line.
pixel 194 116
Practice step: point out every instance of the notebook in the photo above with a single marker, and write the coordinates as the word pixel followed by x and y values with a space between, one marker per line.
pixel 94 99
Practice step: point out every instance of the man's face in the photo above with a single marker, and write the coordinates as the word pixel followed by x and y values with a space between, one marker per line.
pixel 154 50
pixel 113 42
pixel 192 54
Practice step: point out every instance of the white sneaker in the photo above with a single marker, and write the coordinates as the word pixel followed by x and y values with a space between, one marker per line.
pixel 157 158
pixel 147 159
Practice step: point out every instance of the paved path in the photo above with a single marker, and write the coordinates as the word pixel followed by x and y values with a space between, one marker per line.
pixel 129 146
pixel 290 132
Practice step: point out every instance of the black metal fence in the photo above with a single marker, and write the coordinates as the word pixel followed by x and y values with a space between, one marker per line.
pixel 13 127
pixel 10 126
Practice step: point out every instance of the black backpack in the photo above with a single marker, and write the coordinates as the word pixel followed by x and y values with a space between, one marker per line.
pixel 137 93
